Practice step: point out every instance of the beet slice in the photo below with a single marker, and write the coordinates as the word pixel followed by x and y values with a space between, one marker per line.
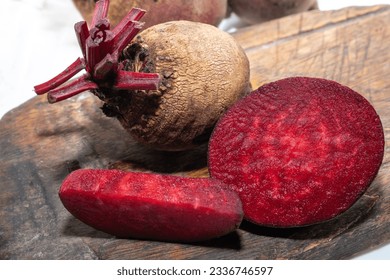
pixel 298 151
pixel 151 206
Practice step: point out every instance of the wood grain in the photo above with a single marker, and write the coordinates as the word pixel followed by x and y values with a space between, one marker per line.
pixel 41 143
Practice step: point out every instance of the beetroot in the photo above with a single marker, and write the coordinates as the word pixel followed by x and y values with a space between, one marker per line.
pixel 256 11
pixel 159 11
pixel 298 151
pixel 167 86
pixel 151 206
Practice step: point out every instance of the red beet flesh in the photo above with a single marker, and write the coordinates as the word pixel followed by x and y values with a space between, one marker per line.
pixel 298 151
pixel 151 206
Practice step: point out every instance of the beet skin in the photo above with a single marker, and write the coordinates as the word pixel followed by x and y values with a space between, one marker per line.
pixel 298 151
pixel 151 206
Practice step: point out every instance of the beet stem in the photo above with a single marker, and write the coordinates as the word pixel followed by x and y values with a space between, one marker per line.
pixel 101 48
pixel 122 38
pixel 74 87
pixel 135 14
pixel 137 81
pixel 100 11
pixel 61 78
pixel 108 64
pixel 82 33
pixel 99 44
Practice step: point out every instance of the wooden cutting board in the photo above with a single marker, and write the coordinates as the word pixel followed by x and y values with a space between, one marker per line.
pixel 41 143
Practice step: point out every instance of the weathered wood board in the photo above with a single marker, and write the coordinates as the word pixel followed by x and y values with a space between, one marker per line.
pixel 41 143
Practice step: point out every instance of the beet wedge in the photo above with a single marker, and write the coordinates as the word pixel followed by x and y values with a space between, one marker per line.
pixel 298 151
pixel 151 206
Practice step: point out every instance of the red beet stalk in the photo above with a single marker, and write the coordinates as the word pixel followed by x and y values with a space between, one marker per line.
pixel 61 78
pixel 75 87
pixel 101 49
pixel 100 12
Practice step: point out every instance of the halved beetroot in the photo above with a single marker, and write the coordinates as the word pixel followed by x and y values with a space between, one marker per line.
pixel 151 206
pixel 298 151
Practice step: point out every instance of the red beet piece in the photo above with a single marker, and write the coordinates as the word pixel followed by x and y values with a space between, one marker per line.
pixel 151 206
pixel 298 151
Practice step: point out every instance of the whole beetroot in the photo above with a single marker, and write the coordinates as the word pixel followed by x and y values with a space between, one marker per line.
pixel 256 11
pixel 204 71
pixel 167 87
pixel 211 12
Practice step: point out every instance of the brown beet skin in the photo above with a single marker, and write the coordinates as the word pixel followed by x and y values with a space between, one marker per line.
pixel 151 206
pixel 256 11
pixel 206 11
pixel 204 72
pixel 298 151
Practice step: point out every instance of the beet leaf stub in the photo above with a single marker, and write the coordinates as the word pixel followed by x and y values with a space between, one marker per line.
pixel 101 49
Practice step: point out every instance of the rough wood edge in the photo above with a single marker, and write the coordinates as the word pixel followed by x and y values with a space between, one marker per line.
pixel 288 28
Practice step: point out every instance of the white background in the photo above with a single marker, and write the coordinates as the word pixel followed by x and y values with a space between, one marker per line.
pixel 38 41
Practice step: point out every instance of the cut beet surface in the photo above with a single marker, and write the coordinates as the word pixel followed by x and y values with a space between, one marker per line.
pixel 298 151
pixel 151 206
